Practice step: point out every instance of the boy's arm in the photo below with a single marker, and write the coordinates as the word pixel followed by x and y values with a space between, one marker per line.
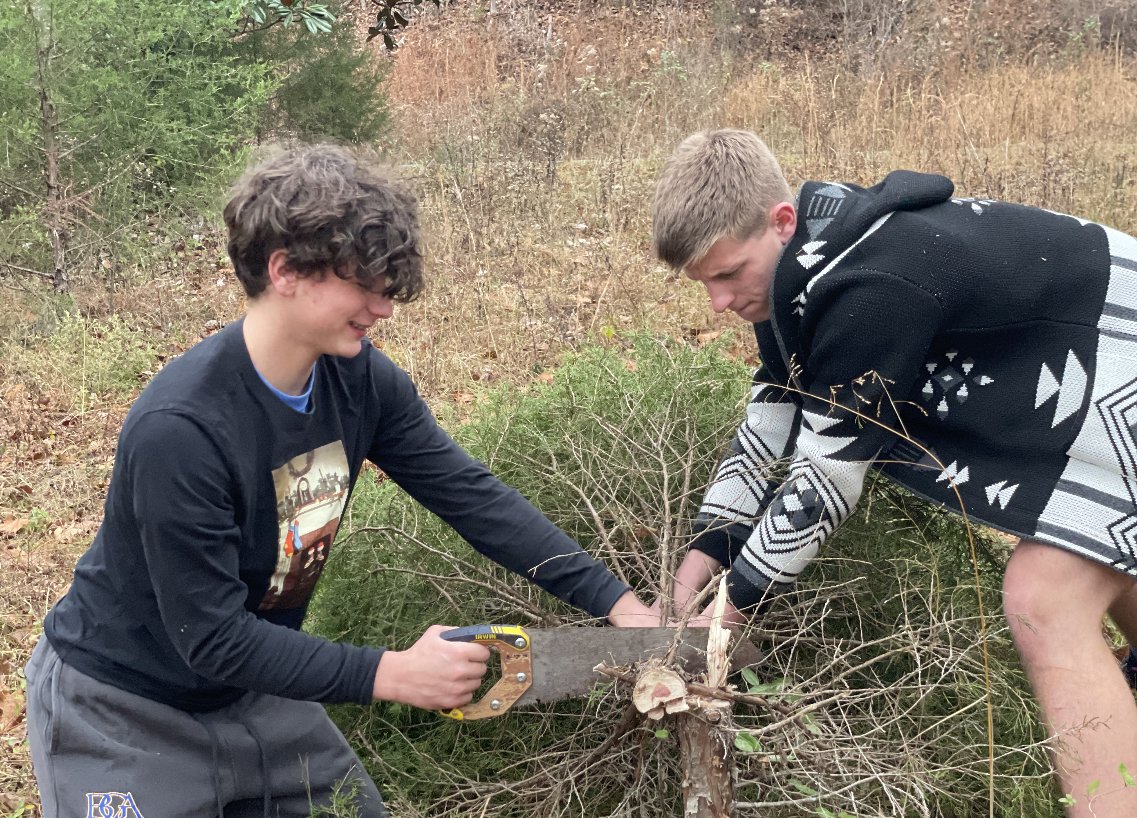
pixel 191 541
pixel 857 370
pixel 743 486
pixel 494 518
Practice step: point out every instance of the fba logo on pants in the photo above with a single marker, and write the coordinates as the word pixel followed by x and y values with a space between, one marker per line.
pixel 112 805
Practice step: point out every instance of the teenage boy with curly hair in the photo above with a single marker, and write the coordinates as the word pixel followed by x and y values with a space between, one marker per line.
pixel 174 679
pixel 956 345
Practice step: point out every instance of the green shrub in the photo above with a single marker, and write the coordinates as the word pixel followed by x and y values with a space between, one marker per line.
pixel 333 89
pixel 157 107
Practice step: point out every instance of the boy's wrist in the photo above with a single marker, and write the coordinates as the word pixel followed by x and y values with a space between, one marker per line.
pixel 388 677
pixel 695 572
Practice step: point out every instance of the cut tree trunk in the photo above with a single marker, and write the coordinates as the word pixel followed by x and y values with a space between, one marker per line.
pixel 706 742
pixel 707 757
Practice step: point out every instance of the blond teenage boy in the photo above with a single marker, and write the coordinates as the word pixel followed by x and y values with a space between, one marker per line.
pixel 1000 339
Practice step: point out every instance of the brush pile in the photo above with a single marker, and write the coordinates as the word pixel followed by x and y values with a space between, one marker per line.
pixel 885 689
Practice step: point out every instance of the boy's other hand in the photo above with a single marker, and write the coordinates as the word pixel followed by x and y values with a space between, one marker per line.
pixel 432 673
pixel 629 612
pixel 692 576
pixel 731 617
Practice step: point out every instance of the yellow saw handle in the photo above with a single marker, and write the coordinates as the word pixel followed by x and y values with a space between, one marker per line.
pixel 513 646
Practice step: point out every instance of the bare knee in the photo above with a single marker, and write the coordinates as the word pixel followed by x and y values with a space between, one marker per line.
pixel 1029 592
pixel 1027 601
pixel 1053 598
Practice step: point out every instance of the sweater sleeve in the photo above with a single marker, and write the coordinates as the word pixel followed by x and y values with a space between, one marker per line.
pixel 185 508
pixel 495 519
pixel 868 334
pixel 747 477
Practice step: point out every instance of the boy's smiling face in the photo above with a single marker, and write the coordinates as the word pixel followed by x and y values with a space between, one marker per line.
pixel 338 312
pixel 322 313
pixel 738 272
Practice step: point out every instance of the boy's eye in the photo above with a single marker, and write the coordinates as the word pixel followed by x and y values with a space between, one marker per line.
pixel 377 286
pixel 370 289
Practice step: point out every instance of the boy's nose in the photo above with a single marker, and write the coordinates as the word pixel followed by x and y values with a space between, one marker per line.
pixel 720 298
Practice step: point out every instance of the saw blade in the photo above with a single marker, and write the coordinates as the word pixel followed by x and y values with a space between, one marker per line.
pixel 564 658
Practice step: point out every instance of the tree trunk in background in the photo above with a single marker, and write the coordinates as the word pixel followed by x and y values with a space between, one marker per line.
pixel 54 210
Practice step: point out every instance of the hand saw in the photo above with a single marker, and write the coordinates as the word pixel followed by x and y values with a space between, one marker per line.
pixel 549 664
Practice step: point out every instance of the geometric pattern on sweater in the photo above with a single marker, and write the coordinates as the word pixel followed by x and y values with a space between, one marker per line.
pixel 1095 501
pixel 950 381
pixel 819 493
pixel 819 212
pixel 803 297
pixel 1070 387
pixel 978 206
pixel 744 483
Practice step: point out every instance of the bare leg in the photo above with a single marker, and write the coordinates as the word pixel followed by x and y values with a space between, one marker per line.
pixel 1054 602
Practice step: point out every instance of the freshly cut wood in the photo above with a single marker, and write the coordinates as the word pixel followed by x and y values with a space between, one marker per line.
pixel 657 689
pixel 718 641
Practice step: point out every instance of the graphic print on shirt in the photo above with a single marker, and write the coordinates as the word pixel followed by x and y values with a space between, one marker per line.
pixel 310 493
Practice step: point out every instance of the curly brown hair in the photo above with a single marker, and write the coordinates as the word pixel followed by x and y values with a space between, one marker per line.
pixel 329 208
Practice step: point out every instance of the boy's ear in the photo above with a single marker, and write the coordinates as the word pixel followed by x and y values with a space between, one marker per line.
pixel 783 221
pixel 281 277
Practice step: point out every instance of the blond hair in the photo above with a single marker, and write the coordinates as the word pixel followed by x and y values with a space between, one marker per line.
pixel 715 184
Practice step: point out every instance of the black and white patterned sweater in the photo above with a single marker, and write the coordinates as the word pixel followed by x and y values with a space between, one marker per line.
pixel 958 345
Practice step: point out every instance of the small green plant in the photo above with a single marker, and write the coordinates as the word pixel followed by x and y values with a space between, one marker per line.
pixel 83 361
pixel 343 804
pixel 38 521
pixel 22 809
pixel 671 65
pixel 316 18
pixel 745 742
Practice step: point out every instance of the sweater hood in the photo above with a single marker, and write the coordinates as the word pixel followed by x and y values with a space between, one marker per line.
pixel 832 218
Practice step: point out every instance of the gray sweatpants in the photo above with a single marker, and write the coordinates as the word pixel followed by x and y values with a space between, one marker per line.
pixel 101 752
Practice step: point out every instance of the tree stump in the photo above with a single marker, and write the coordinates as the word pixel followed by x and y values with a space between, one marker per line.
pixel 706 742
pixel 706 748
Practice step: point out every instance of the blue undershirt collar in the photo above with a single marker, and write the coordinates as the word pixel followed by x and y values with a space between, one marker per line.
pixel 298 402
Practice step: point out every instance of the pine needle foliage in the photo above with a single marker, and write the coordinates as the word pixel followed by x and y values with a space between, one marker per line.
pixel 874 670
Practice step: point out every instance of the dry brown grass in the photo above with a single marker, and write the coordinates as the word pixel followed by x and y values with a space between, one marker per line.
pixel 534 152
